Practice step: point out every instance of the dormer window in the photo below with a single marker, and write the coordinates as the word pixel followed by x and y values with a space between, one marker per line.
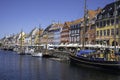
pixel 103 11
pixel 100 16
pixel 110 8
pixel 115 13
pixel 111 13
pixel 119 6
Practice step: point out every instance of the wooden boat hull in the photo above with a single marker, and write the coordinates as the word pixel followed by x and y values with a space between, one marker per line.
pixel 111 65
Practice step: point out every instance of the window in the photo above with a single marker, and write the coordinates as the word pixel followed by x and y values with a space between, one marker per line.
pixel 92 27
pixel 74 26
pixel 97 33
pixel 72 31
pixel 112 21
pixel 97 24
pixel 111 13
pixel 78 31
pixel 101 24
pixel 108 22
pixel 78 39
pixel 112 31
pixel 72 39
pixel 115 13
pixel 100 32
pixel 119 12
pixel 103 11
pixel 104 23
pixel 77 26
pixel 117 31
pixel 75 31
pixel 108 15
pixel 117 21
pixel 104 32
pixel 110 8
pixel 100 16
pixel 108 32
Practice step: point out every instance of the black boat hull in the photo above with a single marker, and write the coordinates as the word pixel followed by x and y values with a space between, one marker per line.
pixel 108 65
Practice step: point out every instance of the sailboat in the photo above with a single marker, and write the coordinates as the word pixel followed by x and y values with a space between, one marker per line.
pixel 37 52
pixel 94 58
pixel 21 51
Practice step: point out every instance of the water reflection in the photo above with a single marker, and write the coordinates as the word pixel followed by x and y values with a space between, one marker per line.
pixel 26 67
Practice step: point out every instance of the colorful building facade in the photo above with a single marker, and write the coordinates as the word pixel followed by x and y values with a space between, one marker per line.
pixel 65 33
pixel 108 25
pixel 74 33
pixel 90 36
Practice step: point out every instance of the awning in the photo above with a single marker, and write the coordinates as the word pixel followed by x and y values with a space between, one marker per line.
pixel 85 52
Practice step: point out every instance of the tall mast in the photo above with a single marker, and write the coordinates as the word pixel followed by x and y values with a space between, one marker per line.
pixel 21 42
pixel 31 39
pixel 21 38
pixel 85 15
pixel 39 33
pixel 115 25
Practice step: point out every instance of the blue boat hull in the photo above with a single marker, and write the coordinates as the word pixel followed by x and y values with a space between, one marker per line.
pixel 108 65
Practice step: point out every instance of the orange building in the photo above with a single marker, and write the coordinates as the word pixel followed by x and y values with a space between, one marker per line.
pixel 65 33
pixel 90 36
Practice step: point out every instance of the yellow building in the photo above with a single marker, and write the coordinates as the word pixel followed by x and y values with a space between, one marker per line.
pixel 108 25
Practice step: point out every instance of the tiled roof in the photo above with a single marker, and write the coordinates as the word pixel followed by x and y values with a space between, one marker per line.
pixel 77 21
pixel 93 13
pixel 56 26
pixel 108 10
pixel 67 24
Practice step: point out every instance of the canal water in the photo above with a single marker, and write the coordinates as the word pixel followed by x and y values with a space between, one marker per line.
pixel 26 67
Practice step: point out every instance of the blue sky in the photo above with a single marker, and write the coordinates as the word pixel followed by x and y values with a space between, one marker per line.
pixel 27 14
